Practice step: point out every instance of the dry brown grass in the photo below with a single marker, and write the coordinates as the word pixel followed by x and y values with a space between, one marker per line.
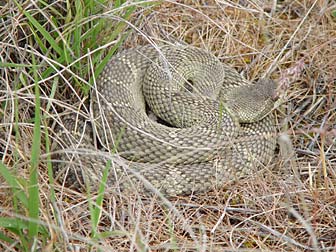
pixel 288 207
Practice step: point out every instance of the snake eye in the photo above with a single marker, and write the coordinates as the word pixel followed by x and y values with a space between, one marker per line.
pixel 188 86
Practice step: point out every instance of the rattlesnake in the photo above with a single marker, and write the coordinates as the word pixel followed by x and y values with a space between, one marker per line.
pixel 211 124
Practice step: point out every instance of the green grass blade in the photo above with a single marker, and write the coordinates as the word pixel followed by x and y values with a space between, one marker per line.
pixel 33 203
pixel 78 30
pixel 96 210
pixel 13 223
pixel 49 167
pixel 11 64
pixel 41 29
pixel 13 183
pixel 7 239
pixel 99 68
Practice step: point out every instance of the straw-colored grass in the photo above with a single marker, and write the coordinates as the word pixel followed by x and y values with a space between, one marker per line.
pixel 52 51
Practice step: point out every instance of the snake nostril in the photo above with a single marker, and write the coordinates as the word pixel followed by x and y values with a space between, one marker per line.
pixel 188 86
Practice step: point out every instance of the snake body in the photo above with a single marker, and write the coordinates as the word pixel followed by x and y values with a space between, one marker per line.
pixel 211 125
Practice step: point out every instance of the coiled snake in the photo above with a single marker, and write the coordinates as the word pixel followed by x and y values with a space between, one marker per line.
pixel 211 124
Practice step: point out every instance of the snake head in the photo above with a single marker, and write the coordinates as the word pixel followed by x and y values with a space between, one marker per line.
pixel 251 103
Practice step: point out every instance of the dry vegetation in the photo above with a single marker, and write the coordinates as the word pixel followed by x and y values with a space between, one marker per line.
pixel 288 207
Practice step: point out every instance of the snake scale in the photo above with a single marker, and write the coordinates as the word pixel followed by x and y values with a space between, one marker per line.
pixel 211 125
